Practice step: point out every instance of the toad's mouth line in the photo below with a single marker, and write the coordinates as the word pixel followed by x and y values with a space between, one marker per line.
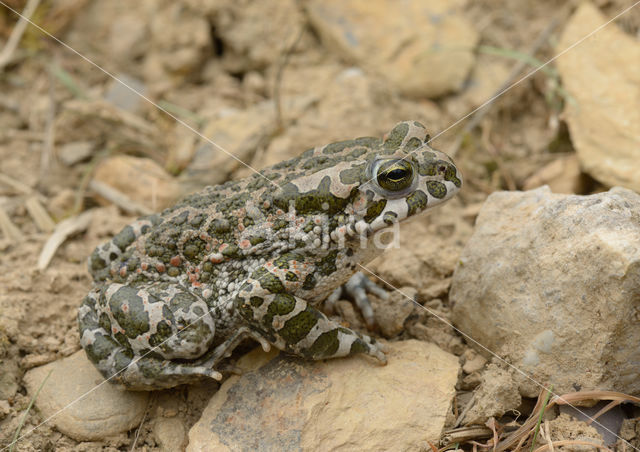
pixel 25 18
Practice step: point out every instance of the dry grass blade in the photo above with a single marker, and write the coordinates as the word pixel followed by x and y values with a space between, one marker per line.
pixel 16 435
pixel 9 229
pixel 39 215
pixel 464 434
pixel 63 230
pixel 119 198
pixel 17 32
pixel 526 429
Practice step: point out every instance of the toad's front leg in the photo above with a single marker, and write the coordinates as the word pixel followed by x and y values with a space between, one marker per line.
pixel 289 322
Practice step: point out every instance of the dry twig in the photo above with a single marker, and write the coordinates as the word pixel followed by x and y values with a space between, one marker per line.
pixel 17 32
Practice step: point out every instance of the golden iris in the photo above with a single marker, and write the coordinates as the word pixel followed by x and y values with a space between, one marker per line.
pixel 395 175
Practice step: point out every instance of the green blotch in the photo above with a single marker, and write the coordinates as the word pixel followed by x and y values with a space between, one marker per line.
pixel 256 239
pixel 312 201
pixel 181 300
pixel 298 327
pixel 353 175
pixel 417 201
pixel 196 221
pixel 122 359
pixel 124 238
pixel 358 346
pixel 195 249
pixel 282 262
pixel 437 189
pixel 268 281
pixel 173 272
pixel 327 265
pixel 396 136
pixel 163 332
pixel 374 210
pixel 290 276
pixel 325 346
pixel 232 251
pixel 101 348
pixel 219 227
pixel 256 302
pixel 450 174
pixel 96 262
pixel 282 304
pixel 105 323
pixel 413 144
pixel 337 147
pixel 309 282
pixel 390 218
pixel 136 320
pixel 280 223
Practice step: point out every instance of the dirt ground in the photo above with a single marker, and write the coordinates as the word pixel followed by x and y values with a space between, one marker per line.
pixel 215 66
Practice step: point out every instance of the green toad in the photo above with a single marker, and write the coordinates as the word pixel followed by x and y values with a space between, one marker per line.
pixel 175 293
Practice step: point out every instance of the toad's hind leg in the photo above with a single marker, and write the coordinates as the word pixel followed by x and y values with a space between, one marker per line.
pixel 291 324
pixel 123 359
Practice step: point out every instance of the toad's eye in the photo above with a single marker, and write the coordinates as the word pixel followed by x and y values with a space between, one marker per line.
pixel 395 175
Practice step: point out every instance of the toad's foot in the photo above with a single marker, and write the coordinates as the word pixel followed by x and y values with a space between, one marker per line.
pixel 356 289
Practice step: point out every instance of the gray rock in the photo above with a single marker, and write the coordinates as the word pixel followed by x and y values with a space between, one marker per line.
pixel 77 151
pixel 602 76
pixel 106 409
pixel 123 93
pixel 422 48
pixel 551 283
pixel 286 404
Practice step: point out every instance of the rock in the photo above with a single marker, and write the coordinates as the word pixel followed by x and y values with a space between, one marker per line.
pixel 105 409
pixel 140 179
pixel 180 44
pixel 392 313
pixel 9 377
pixel 411 45
pixel 550 283
pixel 608 424
pixel 4 409
pixel 473 363
pixel 75 152
pixel 235 132
pixel 565 428
pixel 288 404
pixel 426 253
pixel 121 93
pixel 602 75
pixel 562 175
pixel 170 433
pixel 253 47
pixel 496 394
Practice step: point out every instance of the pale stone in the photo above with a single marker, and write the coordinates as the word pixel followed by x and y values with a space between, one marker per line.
pixel 236 134
pixel 141 180
pixel 496 394
pixel 423 252
pixel 551 283
pixel 171 433
pixel 422 48
pixel 341 404
pixel 78 402
pixel 602 76
pixel 562 175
